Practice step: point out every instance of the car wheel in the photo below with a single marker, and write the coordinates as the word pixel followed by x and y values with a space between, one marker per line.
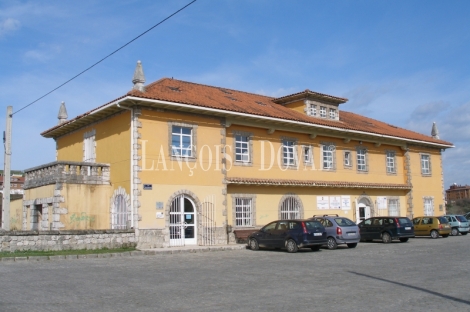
pixel 352 245
pixel 316 248
pixel 464 233
pixel 386 238
pixel 404 239
pixel 434 234
pixel 455 232
pixel 445 235
pixel 291 246
pixel 254 244
pixel 332 243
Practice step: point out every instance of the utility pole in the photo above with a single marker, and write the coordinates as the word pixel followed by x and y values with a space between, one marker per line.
pixel 6 171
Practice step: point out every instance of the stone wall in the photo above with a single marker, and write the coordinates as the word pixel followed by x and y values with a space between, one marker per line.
pixel 65 240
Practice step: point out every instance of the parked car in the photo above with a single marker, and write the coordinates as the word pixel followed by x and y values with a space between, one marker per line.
pixel 431 226
pixel 458 224
pixel 289 234
pixel 339 230
pixel 467 216
pixel 386 229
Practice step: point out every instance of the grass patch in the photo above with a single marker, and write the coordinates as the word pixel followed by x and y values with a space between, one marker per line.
pixel 30 253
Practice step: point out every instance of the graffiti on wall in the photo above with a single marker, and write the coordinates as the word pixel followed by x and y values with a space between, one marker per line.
pixel 77 218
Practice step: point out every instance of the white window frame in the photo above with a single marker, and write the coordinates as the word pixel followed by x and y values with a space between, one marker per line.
pixel 312 109
pixel 290 209
pixel 347 158
pixel 120 213
pixel 307 154
pixel 390 162
pixel 332 113
pixel 361 156
pixel 242 148
pixel 393 207
pixel 243 212
pixel 323 111
pixel 328 156
pixel 428 206
pixel 425 164
pixel 177 151
pixel 289 155
pixel 89 146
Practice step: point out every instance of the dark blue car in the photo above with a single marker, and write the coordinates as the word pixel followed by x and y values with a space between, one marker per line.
pixel 289 234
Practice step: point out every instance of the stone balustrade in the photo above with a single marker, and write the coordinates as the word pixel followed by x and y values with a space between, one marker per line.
pixel 67 172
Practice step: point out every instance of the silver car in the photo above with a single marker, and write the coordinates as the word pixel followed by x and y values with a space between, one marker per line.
pixel 339 230
pixel 458 224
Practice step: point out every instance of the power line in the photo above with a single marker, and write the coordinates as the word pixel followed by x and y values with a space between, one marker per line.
pixel 82 72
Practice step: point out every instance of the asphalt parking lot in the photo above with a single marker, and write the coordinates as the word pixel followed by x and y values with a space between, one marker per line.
pixel 421 275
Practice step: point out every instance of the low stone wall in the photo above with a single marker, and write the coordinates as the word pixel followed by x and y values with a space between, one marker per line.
pixel 159 238
pixel 65 240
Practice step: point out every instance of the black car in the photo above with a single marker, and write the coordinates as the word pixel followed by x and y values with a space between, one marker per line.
pixel 289 234
pixel 386 229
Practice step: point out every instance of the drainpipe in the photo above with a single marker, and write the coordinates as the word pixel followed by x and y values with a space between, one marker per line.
pixel 132 161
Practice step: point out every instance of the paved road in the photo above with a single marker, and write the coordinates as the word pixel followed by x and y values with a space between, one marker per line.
pixel 421 275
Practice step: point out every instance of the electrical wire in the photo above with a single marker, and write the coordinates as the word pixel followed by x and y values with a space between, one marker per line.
pixel 123 46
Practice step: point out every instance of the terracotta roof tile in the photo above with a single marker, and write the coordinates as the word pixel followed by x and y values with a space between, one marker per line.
pixel 313 183
pixel 173 90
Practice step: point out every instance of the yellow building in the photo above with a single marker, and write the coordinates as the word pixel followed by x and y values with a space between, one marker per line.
pixel 185 163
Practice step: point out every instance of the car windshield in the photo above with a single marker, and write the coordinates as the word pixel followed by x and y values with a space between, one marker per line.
pixel 461 218
pixel 313 225
pixel 344 222
pixel 404 221
pixel 443 220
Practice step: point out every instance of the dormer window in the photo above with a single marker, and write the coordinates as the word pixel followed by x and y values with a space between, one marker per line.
pixel 322 111
pixel 332 113
pixel 312 110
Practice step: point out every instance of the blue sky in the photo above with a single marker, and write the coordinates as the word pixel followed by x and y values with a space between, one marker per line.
pixel 402 62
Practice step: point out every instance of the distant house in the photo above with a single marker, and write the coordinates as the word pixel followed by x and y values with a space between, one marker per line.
pixel 457 192
pixel 187 164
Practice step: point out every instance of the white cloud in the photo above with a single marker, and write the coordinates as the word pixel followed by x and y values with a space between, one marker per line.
pixel 9 25
pixel 43 53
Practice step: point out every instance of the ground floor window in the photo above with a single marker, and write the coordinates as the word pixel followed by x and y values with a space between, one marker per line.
pixel 290 209
pixel 243 211
pixel 428 206
pixel 393 207
pixel 120 212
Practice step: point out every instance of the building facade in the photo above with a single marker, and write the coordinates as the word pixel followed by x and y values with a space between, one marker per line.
pixel 457 192
pixel 184 163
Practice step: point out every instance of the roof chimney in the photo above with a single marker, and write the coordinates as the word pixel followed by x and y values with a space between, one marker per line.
pixel 62 116
pixel 139 78
pixel 434 131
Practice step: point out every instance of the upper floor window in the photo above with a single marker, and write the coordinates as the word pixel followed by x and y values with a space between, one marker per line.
pixel 288 150
pixel 242 148
pixel 89 146
pixel 347 159
pixel 181 141
pixel 328 153
pixel 332 113
pixel 361 160
pixel 323 111
pixel 391 167
pixel 312 110
pixel 308 159
pixel 425 164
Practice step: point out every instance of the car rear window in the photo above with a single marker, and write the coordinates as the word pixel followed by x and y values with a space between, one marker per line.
pixel 313 225
pixel 443 220
pixel 461 218
pixel 404 221
pixel 344 222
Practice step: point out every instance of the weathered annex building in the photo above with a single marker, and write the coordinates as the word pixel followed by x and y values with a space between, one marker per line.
pixel 184 163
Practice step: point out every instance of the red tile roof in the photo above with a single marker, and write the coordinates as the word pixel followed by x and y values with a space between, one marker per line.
pixel 313 183
pixel 198 95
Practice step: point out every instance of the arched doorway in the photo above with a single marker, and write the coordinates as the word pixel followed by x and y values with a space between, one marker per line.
pixel 183 229
pixel 364 208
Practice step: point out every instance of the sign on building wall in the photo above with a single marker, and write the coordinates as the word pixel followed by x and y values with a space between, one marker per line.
pixel 381 202
pixel 345 202
pixel 323 202
pixel 335 202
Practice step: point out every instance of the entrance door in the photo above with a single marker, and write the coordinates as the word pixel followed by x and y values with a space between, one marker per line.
pixel 182 222
pixel 362 212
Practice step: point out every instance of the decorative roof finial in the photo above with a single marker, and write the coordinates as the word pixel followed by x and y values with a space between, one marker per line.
pixel 139 78
pixel 434 131
pixel 62 116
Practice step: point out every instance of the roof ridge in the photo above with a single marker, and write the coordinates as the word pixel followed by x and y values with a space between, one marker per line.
pixel 215 87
